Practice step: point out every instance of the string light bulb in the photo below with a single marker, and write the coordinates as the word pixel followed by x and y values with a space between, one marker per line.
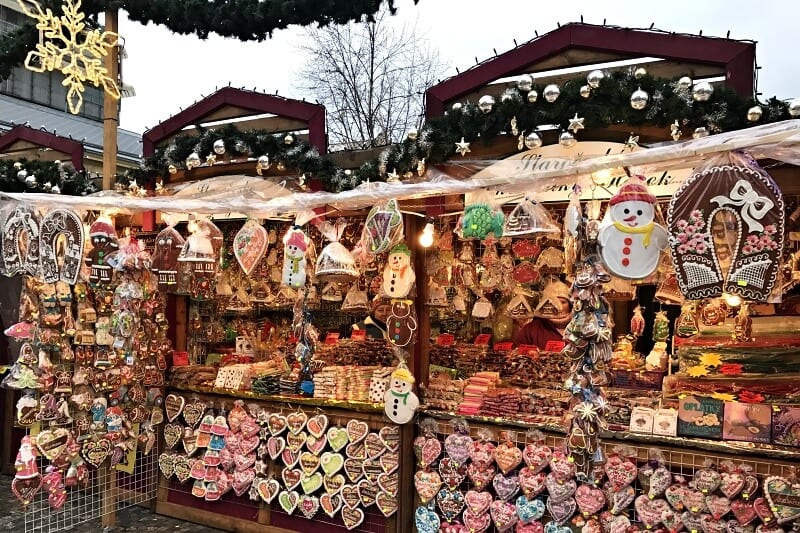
pixel 733 300
pixel 426 237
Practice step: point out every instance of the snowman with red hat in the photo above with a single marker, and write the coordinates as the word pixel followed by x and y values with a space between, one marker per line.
pixel 295 245
pixel 630 239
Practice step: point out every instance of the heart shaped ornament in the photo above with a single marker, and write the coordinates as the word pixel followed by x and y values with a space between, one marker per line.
pixel 51 443
pixel 95 452
pixel 531 482
pixel 674 496
pixel 591 526
pixel 356 450
pixel 783 497
pixel 457 447
pixel 732 484
pixel 590 500
pixel 427 450
pixel 388 483
pixel 386 503
pixel 504 515
pixel 250 245
pixel 337 438
pixel 183 468
pixel 174 404
pixel 276 424
pixel 275 446
pixel 357 430
pixel 333 484
pixel 309 463
pixel 620 472
pixel 558 489
pixel 718 506
pixel 350 497
pixel 351 517
pixel 371 470
pixel 614 523
pixel 506 487
pixel 390 436
pixel 692 522
pixel 296 422
pixel 508 457
pixel 295 441
pixel 450 503
pixel 354 468
pixel 709 524
pixel 330 504
pixel 533 527
pixel 750 487
pixel 166 463
pixel 671 521
pixel 561 466
pixel 452 474
pixel 744 512
pixel 25 489
pixel 477 522
pixel 389 462
pixel 554 527
pixel 477 501
pixel 480 475
pixel 426 520
pixel 242 481
pixel 561 511
pixel 311 483
pixel 172 434
pixel 529 510
pixel 316 444
pixel 482 452
pixel 649 512
pixel 331 462
pixel 268 489
pixel 291 478
pixel 193 411
pixel 694 501
pixel 706 480
pixel 733 526
pixel 537 456
pixel 308 505
pixel 288 500
pixel 620 500
pixel 374 446
pixel 427 485
pixel 317 425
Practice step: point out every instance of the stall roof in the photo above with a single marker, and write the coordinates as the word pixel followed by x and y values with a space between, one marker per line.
pixel 579 44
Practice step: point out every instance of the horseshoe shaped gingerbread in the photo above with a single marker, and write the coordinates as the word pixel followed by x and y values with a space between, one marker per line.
pixel 24 220
pixel 54 224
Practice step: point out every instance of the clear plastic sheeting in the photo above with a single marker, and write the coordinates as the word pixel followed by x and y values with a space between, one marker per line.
pixel 779 141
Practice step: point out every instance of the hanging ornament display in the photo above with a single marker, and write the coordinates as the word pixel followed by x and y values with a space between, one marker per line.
pixel 486 103
pixel 702 91
pixel 639 99
pixel 735 185
pixel 630 239
pixel 383 228
pixel 335 262
pixel 250 245
pixel 551 93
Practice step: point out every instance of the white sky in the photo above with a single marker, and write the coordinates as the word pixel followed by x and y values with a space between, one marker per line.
pixel 171 71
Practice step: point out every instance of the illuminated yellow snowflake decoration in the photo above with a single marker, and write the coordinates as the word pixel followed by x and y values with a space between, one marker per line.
pixel 65 45
pixel 711 359
pixel 697 371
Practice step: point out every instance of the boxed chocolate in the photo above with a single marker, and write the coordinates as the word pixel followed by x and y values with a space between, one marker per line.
pixel 700 417
pixel 749 422
pixel 786 425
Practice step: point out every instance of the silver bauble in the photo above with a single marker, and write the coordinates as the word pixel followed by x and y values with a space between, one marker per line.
pixel 240 147
pixel 172 169
pixel 219 147
pixel 30 181
pixel 640 73
pixel 532 96
pixel 280 166
pixel 289 139
pixel 594 77
pixel 700 132
pixel 586 91
pixel 17 165
pixel 532 140
pixel 57 163
pixel 508 94
pixel 46 186
pixel 263 161
pixel 566 139
pixel 524 83
pixel 22 174
pixel 55 189
pixel 486 103
pixel 685 83
pixel 192 161
pixel 639 99
pixel 412 135
pixel 702 91
pixel 754 113
pixel 794 107
pixel 551 93
pixel 456 106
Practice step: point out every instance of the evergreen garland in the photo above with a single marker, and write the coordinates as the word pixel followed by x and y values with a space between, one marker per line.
pixel 608 104
pixel 49 174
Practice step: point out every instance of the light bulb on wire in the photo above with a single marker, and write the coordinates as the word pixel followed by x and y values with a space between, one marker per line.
pixel 426 237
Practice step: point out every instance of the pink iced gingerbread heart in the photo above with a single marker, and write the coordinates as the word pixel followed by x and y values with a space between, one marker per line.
pixel 504 515
pixel 744 512
pixel 718 506
pixel 536 455
pixel 706 480
pixel 482 452
pixel 457 447
pixel 614 523
pixel 531 482
pixel 427 449
pixel 427 484
pixel 507 457
pixel 559 490
pixel 732 484
pixel 650 511
pixel 478 501
pixel 561 467
pixel 452 474
pixel 476 522
pixel 590 500
pixel 533 527
pixel 480 475
pixel 709 524
pixel 620 472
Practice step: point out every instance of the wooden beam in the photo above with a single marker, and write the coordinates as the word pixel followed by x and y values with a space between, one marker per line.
pixel 111 107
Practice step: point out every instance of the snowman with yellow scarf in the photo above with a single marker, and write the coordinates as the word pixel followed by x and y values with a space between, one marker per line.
pixel 630 239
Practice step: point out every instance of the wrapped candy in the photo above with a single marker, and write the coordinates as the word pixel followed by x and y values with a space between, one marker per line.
pixel 383 228
pixel 528 217
pixel 481 217
pixel 637 322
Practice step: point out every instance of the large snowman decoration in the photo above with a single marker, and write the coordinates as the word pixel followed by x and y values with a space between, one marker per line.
pixel 295 245
pixel 400 402
pixel 630 240
pixel 398 275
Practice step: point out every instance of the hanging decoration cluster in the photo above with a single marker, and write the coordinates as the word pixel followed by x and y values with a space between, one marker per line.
pixel 44 176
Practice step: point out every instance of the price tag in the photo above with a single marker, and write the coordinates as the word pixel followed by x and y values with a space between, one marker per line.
pixel 359 334
pixel 503 346
pixel 180 358
pixel 446 339
pixel 483 339
pixel 332 338
pixel 554 346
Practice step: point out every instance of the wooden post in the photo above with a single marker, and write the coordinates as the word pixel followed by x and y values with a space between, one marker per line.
pixel 110 107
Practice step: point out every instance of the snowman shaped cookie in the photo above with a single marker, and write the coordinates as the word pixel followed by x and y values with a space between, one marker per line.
pixel 398 276
pixel 295 245
pixel 630 240
pixel 400 402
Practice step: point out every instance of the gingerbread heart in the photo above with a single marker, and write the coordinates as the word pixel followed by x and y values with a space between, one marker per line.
pixel 183 468
pixel 295 441
pixel 504 515
pixel 482 452
pixel 614 523
pixel 561 466
pixel 308 505
pixel 316 444
pixel 288 500
pixel 457 447
pixel 590 500
pixel 174 404
pixel 250 245
pixel 692 521
pixel 296 422
pixel 371 469
pixel 247 444
pixel 337 438
pixel 390 436
pixel 350 496
pixel 276 424
pixel 620 472
pixel 674 496
pixel 709 524
pixel 172 434
pixel 554 527
pixel 427 450
pixel 330 503
pixel 733 526
pixel 198 471
pixel 783 497
pixel 426 520
pixel 671 521
pixel 354 468
pixel 317 425
pixel 531 481
pixel 268 489
pixel 96 451
pixel 386 503
pixel 291 477
pixel 693 500
pixel 331 462
pixel 51 443
pixel 193 411
pixel 480 475
pixel 744 512
pixel 763 528
pixel 25 489
pixel 650 511
pixel 275 446
pixel 477 501
pixel 427 484
pixel 452 474
pixel 309 463
pixel 450 503
pixel 529 510
pixel 508 457
pixel 374 446
pixel 660 480
pixel 356 450
pixel 537 456
pixel 763 510
pixel 505 486
pixel 563 510
pixel 166 463
pixel 706 480
pixel 333 484
pixel 477 522
pixel 388 483
pixel 533 527
pixel 732 484
pixel 389 461
pixel 750 487
pixel 357 430
pixel 352 518
pixel 559 490
pixel 718 506
pixel 311 483
pixel 289 457
pixel 619 500
pixel 242 481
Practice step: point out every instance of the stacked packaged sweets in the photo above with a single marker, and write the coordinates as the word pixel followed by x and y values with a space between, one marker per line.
pixel 325 382
pixel 475 390
pixel 501 402
pixel 444 393
pixel 356 379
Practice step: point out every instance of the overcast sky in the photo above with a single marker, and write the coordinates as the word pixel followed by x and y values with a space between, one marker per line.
pixel 170 71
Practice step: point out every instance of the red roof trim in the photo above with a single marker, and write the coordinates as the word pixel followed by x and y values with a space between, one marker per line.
pixel 45 139
pixel 738 57
pixel 259 103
